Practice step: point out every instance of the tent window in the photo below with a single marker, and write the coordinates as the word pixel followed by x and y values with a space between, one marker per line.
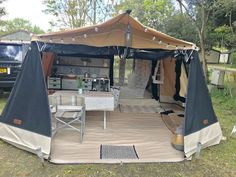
pixel 158 76
pixel 128 69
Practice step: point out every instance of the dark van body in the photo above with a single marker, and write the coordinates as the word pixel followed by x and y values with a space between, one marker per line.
pixel 11 57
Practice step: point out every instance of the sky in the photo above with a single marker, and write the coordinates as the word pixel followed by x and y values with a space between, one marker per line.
pixel 28 9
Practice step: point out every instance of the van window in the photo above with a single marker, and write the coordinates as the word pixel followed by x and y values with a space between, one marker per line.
pixel 10 52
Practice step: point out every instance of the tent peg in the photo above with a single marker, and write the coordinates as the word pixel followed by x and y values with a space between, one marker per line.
pixel 233 131
pixel 39 153
pixel 198 150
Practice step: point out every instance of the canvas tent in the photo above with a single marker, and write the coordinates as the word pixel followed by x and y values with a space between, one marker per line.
pixel 26 118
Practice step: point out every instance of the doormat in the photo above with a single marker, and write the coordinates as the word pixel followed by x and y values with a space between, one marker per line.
pixel 118 152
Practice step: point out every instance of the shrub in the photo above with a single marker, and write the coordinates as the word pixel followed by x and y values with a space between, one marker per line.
pixel 233 58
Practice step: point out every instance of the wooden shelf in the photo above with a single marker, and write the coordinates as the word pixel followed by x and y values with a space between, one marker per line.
pixel 80 66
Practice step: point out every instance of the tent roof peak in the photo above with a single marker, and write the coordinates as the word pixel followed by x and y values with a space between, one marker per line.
pixel 128 11
pixel 113 32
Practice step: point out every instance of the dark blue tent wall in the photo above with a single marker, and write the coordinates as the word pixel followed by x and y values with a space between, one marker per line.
pixel 27 107
pixel 199 111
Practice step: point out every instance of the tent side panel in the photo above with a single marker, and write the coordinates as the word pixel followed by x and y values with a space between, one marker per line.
pixel 201 124
pixel 24 139
pixel 47 62
pixel 167 89
pixel 27 110
pixel 207 136
pixel 183 82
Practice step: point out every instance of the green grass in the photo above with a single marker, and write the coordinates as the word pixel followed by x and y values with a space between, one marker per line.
pixel 3 99
pixel 216 161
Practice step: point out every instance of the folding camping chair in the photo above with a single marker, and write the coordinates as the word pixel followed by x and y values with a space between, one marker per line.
pixel 67 115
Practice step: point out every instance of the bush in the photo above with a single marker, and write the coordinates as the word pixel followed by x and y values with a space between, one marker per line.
pixel 233 58
pixel 226 97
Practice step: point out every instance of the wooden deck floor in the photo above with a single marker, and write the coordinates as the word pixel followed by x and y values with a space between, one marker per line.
pixel 146 131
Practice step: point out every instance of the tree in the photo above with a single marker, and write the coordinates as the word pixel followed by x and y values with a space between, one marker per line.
pixel 68 13
pixel 149 12
pixel 180 6
pixel 2 12
pixel 221 36
pixel 224 28
pixel 2 9
pixel 157 12
pixel 181 27
pixel 19 24
pixel 199 11
pixel 77 13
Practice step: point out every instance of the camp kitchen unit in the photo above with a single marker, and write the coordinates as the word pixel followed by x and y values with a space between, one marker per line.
pixel 66 70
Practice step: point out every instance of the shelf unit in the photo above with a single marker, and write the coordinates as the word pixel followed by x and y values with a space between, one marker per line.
pixel 54 83
pixel 71 65
pixel 98 70
pixel 80 70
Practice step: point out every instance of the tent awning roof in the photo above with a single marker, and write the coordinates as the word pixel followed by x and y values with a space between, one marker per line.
pixel 122 30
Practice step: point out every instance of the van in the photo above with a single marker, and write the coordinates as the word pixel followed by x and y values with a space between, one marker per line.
pixel 11 58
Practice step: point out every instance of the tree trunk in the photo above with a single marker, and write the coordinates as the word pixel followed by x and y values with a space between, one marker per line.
pixel 230 22
pixel 180 6
pixel 122 72
pixel 94 11
pixel 203 56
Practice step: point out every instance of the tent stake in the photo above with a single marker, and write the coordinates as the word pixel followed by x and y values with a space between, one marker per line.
pixel 40 155
pixel 233 131
pixel 199 147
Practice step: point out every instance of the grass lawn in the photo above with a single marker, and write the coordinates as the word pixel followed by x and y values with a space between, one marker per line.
pixel 3 98
pixel 216 161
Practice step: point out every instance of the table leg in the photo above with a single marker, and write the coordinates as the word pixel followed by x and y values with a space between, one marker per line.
pixel 105 120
